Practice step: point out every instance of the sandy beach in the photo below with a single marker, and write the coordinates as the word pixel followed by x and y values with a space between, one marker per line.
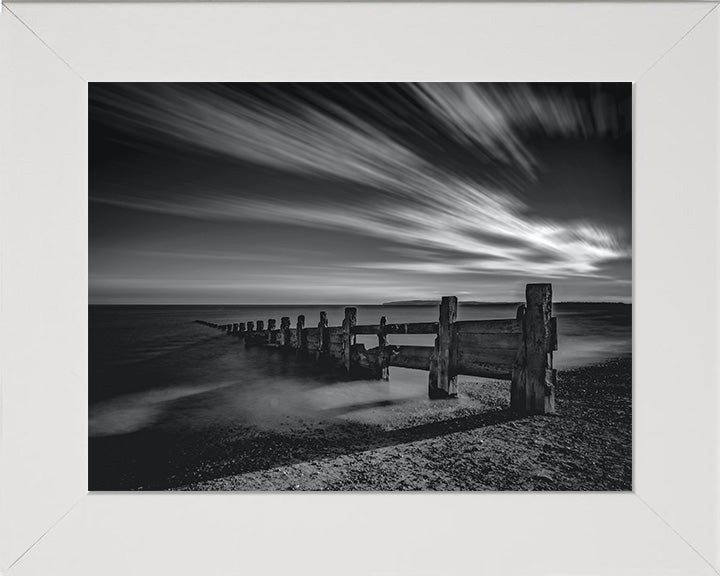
pixel 472 443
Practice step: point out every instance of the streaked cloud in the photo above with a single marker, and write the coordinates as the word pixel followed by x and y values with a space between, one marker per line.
pixel 456 223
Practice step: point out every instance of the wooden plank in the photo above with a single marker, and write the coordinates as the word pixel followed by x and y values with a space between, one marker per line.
pixel 417 357
pixel 406 328
pixel 477 342
pixel 366 329
pixel 412 328
pixel 335 349
pixel 474 366
pixel 499 356
pixel 510 326
pixel 336 338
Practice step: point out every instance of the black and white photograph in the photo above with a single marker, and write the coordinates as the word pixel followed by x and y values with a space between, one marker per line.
pixel 360 286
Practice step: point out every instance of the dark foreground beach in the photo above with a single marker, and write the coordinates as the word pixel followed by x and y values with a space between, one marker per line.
pixel 474 445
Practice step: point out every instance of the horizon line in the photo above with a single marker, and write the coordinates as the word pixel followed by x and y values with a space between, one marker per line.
pixel 418 302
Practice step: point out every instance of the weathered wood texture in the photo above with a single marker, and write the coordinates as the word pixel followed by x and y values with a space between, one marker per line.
pixel 348 338
pixel 407 328
pixel 271 336
pixel 284 336
pixel 533 380
pixel 383 368
pixel 313 339
pixel 417 357
pixel 300 341
pixel 489 326
pixel 477 342
pixel 442 381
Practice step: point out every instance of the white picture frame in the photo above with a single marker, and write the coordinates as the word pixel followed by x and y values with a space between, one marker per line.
pixel 668 524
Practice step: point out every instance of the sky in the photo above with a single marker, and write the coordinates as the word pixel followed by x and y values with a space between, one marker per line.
pixel 358 193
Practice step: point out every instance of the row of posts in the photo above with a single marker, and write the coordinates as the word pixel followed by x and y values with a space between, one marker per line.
pixel 442 382
pixel 533 376
pixel 251 331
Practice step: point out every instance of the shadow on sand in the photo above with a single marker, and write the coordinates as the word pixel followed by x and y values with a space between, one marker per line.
pixel 152 460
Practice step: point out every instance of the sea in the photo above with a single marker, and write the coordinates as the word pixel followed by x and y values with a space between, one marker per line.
pixel 156 373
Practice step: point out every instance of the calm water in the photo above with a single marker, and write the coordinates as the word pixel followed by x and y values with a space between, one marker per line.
pixel 152 367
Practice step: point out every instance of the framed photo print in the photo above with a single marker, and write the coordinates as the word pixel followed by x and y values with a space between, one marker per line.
pixel 388 289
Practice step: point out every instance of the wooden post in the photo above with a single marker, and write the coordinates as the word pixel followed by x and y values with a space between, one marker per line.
pixel 235 328
pixel 300 340
pixel 241 330
pixel 442 381
pixel 533 378
pixel 272 325
pixel 382 343
pixel 348 324
pixel 284 331
pixel 250 338
pixel 322 334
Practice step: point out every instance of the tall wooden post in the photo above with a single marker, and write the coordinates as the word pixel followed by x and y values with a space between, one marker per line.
pixel 382 343
pixel 251 326
pixel 442 381
pixel 300 340
pixel 322 334
pixel 241 330
pixel 533 377
pixel 235 328
pixel 348 325
pixel 285 331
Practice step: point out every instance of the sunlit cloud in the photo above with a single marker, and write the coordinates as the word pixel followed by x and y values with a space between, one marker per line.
pixel 541 246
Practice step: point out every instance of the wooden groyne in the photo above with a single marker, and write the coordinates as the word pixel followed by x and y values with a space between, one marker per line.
pixel 518 349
